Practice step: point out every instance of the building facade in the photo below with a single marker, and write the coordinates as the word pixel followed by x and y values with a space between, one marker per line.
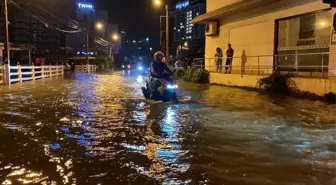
pixel 273 27
pixel 84 14
pixel 24 29
pixel 37 37
pixel 100 37
pixel 185 33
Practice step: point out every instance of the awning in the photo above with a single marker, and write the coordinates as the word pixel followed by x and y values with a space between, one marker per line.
pixel 232 9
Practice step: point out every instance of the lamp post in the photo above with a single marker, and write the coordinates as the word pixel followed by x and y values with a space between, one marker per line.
pixel 99 26
pixel 86 40
pixel 158 3
pixel 115 38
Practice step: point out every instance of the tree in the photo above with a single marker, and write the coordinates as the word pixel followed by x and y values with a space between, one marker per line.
pixel 106 61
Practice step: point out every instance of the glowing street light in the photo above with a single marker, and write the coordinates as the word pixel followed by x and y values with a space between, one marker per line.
pixel 151 49
pixel 115 37
pixel 185 44
pixel 99 26
pixel 157 2
pixel 323 23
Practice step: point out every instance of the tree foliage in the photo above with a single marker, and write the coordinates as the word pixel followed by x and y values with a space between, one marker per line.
pixel 277 83
pixel 196 75
pixel 106 61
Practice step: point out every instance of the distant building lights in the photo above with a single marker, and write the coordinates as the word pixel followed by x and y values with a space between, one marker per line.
pixel 182 5
pixel 85 6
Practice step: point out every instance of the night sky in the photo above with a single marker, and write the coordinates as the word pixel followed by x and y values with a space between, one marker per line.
pixel 139 18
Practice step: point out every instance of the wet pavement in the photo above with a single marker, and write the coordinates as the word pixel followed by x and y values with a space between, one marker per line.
pixel 98 129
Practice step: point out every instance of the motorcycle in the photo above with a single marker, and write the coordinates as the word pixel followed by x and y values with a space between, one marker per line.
pixel 141 70
pixel 160 89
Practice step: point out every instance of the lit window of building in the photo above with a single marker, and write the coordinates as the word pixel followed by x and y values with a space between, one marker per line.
pixel 188 20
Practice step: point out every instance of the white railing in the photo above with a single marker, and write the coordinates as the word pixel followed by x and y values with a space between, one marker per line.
pixel 306 64
pixel 86 68
pixel 26 73
pixel 2 77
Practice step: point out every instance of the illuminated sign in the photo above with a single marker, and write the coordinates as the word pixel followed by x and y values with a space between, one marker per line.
pixel 85 6
pixel 182 5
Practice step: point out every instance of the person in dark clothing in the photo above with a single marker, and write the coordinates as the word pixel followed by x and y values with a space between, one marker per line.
pixel 229 59
pixel 158 68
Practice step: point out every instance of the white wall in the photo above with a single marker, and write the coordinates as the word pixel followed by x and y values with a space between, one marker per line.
pixel 248 38
pixel 259 29
pixel 216 4
pixel 317 86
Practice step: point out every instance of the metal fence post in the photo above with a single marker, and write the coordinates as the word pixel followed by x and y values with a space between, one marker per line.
pixel 296 63
pixel 322 66
pixel 258 65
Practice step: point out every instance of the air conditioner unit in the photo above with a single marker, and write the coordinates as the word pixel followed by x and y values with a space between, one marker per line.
pixel 211 28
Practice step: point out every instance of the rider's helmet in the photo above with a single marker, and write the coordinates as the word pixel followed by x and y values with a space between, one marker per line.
pixel 157 55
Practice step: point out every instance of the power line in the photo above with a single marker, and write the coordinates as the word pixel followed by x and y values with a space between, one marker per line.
pixel 37 16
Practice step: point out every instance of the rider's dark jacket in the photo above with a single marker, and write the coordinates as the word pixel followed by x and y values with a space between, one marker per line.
pixel 159 69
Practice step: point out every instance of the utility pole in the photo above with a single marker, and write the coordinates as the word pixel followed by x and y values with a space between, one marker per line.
pixel 86 40
pixel 6 57
pixel 167 30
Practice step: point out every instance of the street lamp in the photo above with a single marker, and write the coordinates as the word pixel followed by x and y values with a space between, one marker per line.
pixel 115 37
pixel 99 26
pixel 158 3
pixel 186 44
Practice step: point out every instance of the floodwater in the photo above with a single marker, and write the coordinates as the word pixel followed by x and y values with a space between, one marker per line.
pixel 98 129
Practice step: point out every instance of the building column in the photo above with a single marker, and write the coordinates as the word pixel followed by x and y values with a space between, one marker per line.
pixel 332 48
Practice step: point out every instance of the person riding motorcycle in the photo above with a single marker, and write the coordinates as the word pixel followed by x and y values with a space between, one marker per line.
pixel 159 69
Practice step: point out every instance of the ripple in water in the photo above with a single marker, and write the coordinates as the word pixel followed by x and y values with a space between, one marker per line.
pixel 98 129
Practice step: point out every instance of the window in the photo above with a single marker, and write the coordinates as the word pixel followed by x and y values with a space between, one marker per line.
pixel 305 30
pixel 309 33
pixel 307 26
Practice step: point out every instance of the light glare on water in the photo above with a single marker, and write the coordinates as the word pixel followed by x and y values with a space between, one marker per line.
pixel 98 129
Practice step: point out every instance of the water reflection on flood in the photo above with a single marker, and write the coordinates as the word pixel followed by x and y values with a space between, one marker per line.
pixel 97 129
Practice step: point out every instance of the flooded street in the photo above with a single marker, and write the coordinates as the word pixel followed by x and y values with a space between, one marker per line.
pixel 98 129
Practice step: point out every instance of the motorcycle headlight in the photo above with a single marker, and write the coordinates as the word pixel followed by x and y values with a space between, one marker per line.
pixel 129 66
pixel 140 68
pixel 123 66
pixel 139 79
pixel 172 86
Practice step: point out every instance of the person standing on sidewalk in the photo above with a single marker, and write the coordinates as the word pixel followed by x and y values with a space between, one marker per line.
pixel 229 59
pixel 219 60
